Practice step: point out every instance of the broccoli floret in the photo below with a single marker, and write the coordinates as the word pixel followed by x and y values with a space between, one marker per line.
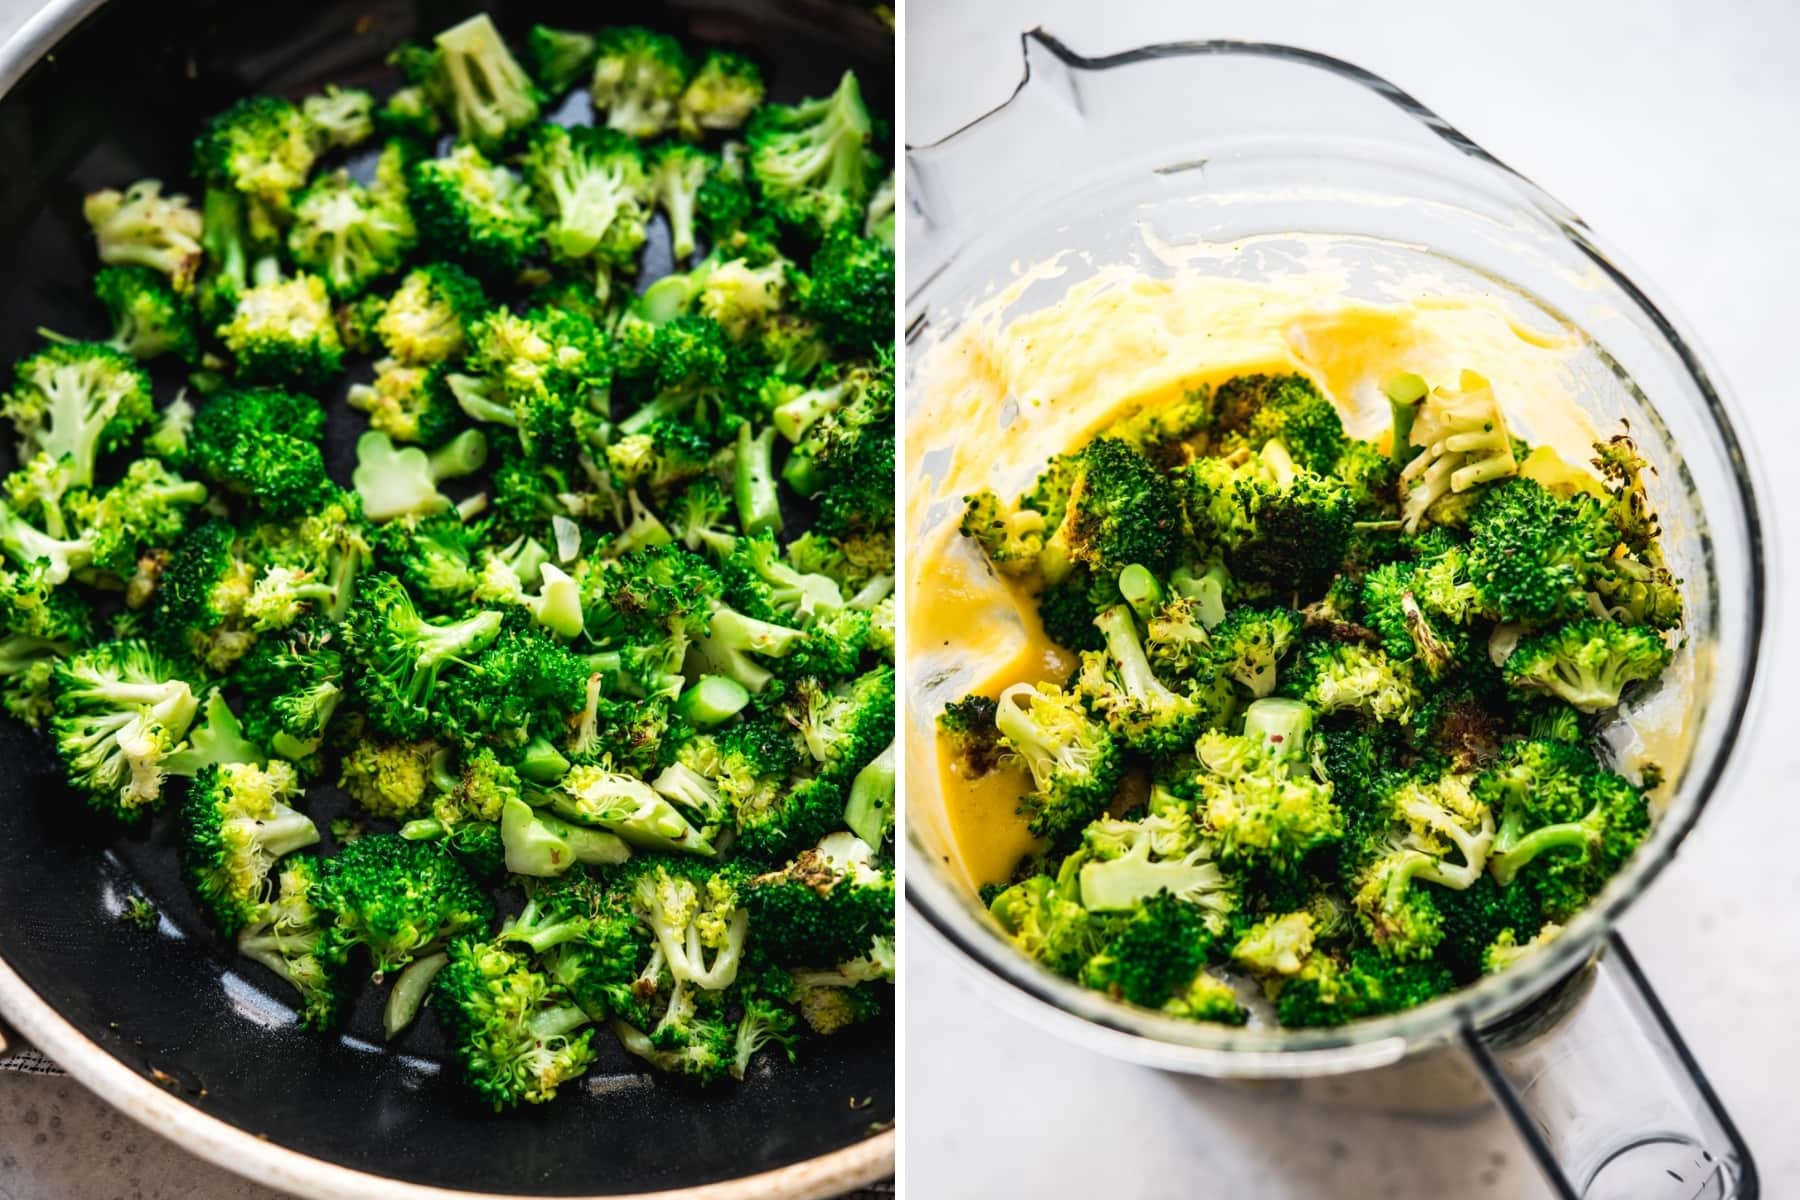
pixel 150 317
pixel 1404 604
pixel 1152 957
pixel 394 481
pixel 1428 829
pixel 1289 409
pixel 490 96
pixel 294 682
pixel 262 146
pixel 340 118
pixel 199 608
pixel 1046 920
pixel 397 657
pixel 143 512
pixel 512 1028
pixel 968 725
pixel 559 58
pixel 849 291
pixel 1128 862
pixel 411 113
pixel 1588 662
pixel 1347 676
pixel 545 374
pixel 723 93
pixel 824 907
pixel 1554 801
pixel 1332 989
pixel 1121 510
pixel 1273 521
pixel 473 211
pixel 1075 765
pixel 350 234
pixel 388 779
pixel 590 184
pixel 74 402
pixel 428 318
pixel 1143 713
pixel 142 227
pixel 676 174
pixel 812 161
pixel 638 80
pixel 121 711
pixel 697 914
pixel 1256 796
pixel 397 898
pixel 408 403
pixel 263 443
pixel 844 727
pixel 237 820
pixel 1276 946
pixel 1475 917
pixel 284 330
pixel 1533 557
pixel 283 934
pixel 1249 644
pixel 742 297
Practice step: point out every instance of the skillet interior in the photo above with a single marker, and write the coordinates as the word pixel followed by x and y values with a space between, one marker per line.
pixel 119 100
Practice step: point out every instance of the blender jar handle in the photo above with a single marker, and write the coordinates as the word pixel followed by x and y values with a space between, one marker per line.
pixel 1610 1100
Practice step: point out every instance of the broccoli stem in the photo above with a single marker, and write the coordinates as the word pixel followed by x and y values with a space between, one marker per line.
pixel 691 790
pixel 665 406
pixel 1126 649
pixel 1506 864
pixel 1282 726
pixel 1014 719
pixel 1404 391
pixel 1141 590
pixel 872 593
pixel 801 472
pixel 754 489
pixel 668 298
pixel 462 455
pixel 794 417
pixel 732 637
pixel 712 700
pixel 1208 589
pixel 542 846
pixel 439 644
pixel 409 991
pixel 541 762
pixel 869 812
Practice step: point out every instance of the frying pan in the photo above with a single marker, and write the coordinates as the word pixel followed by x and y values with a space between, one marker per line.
pixel 167 1024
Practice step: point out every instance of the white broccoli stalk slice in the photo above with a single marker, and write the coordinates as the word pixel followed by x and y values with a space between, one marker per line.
pixel 399 482
pixel 1463 442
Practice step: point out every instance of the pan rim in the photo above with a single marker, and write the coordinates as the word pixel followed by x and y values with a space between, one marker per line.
pixel 247 1154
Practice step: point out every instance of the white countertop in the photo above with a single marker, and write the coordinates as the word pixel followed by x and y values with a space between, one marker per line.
pixel 1673 134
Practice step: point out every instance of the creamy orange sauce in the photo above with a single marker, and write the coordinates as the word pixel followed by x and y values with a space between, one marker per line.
pixel 1011 384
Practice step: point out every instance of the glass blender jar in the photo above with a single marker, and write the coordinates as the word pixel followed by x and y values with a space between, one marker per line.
pixel 1098 161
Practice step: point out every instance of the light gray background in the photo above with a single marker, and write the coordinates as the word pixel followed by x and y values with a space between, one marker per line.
pixel 1672 129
